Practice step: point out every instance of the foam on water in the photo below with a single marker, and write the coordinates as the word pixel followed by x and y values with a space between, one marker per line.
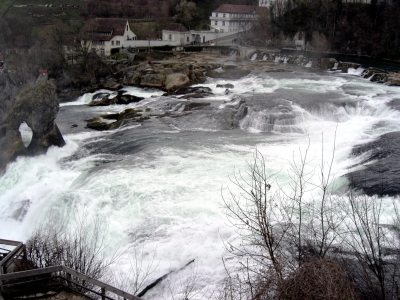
pixel 357 71
pixel 129 90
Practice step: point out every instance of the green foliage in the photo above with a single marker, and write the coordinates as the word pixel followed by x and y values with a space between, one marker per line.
pixel 194 49
pixel 163 48
pixel 114 51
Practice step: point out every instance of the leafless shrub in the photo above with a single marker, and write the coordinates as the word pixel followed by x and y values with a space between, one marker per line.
pixel 80 247
pixel 374 244
pixel 138 273
pixel 318 279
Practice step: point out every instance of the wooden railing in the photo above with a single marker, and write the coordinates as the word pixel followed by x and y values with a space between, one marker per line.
pixel 64 277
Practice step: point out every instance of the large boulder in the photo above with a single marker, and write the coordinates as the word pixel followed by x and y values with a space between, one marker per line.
pixel 120 98
pixel 152 80
pixel 394 79
pixel 228 73
pixel 175 81
pixel 113 121
pixel 324 63
pixel 37 105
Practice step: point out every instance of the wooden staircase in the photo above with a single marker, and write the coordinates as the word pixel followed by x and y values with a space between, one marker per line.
pixel 48 282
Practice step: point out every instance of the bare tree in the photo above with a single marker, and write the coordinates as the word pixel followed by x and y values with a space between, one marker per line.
pixel 374 244
pixel 319 42
pixel 185 11
pixel 80 246
pixel 139 272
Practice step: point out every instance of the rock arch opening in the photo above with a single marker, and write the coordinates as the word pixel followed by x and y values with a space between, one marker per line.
pixel 26 133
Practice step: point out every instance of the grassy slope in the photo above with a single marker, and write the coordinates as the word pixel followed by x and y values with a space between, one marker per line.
pixel 38 16
pixel 4 4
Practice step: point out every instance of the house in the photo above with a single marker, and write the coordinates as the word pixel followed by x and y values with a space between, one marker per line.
pixel 102 35
pixel 175 32
pixel 230 18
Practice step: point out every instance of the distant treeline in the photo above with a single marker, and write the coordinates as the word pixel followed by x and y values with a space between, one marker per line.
pixel 348 28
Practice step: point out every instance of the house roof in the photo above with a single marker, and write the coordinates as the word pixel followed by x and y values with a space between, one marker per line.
pixel 117 26
pixel 176 27
pixel 237 9
pixel 105 28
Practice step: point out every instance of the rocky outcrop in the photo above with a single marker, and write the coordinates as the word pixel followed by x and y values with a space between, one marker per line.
pixel 236 73
pixel 380 174
pixel 38 106
pixel 113 121
pixel 323 63
pixel 175 81
pixel 120 98
pixel 165 75
pixel 192 92
pixel 393 79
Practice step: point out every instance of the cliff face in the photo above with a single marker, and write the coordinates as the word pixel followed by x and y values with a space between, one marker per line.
pixel 37 105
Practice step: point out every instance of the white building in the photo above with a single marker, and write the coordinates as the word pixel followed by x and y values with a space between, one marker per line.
pixel 176 33
pixel 105 34
pixel 266 3
pixel 230 18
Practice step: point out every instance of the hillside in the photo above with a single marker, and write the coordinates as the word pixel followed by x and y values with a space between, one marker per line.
pixel 4 5
pixel 43 12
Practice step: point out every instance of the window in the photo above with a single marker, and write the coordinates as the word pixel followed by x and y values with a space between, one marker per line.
pixel 170 37
pixel 216 14
pixel 127 28
pixel 187 39
pixel 223 15
pixel 216 22
pixel 118 43
pixel 112 43
pixel 223 23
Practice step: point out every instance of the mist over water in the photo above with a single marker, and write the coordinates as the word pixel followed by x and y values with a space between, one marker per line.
pixel 158 184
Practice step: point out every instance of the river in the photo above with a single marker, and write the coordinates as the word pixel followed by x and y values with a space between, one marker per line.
pixel 158 184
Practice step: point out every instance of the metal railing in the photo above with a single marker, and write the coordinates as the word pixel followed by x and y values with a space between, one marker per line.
pixel 47 279
pixel 8 262
pixel 65 278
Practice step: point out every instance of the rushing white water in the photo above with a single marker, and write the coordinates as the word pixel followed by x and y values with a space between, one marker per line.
pixel 253 57
pixel 335 66
pixel 309 64
pixel 357 71
pixel 158 184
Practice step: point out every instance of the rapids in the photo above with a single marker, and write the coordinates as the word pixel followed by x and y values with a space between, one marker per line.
pixel 158 184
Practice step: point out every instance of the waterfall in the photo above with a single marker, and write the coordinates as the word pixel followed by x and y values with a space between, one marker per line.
pixel 357 71
pixel 335 66
pixel 253 57
pixel 309 64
